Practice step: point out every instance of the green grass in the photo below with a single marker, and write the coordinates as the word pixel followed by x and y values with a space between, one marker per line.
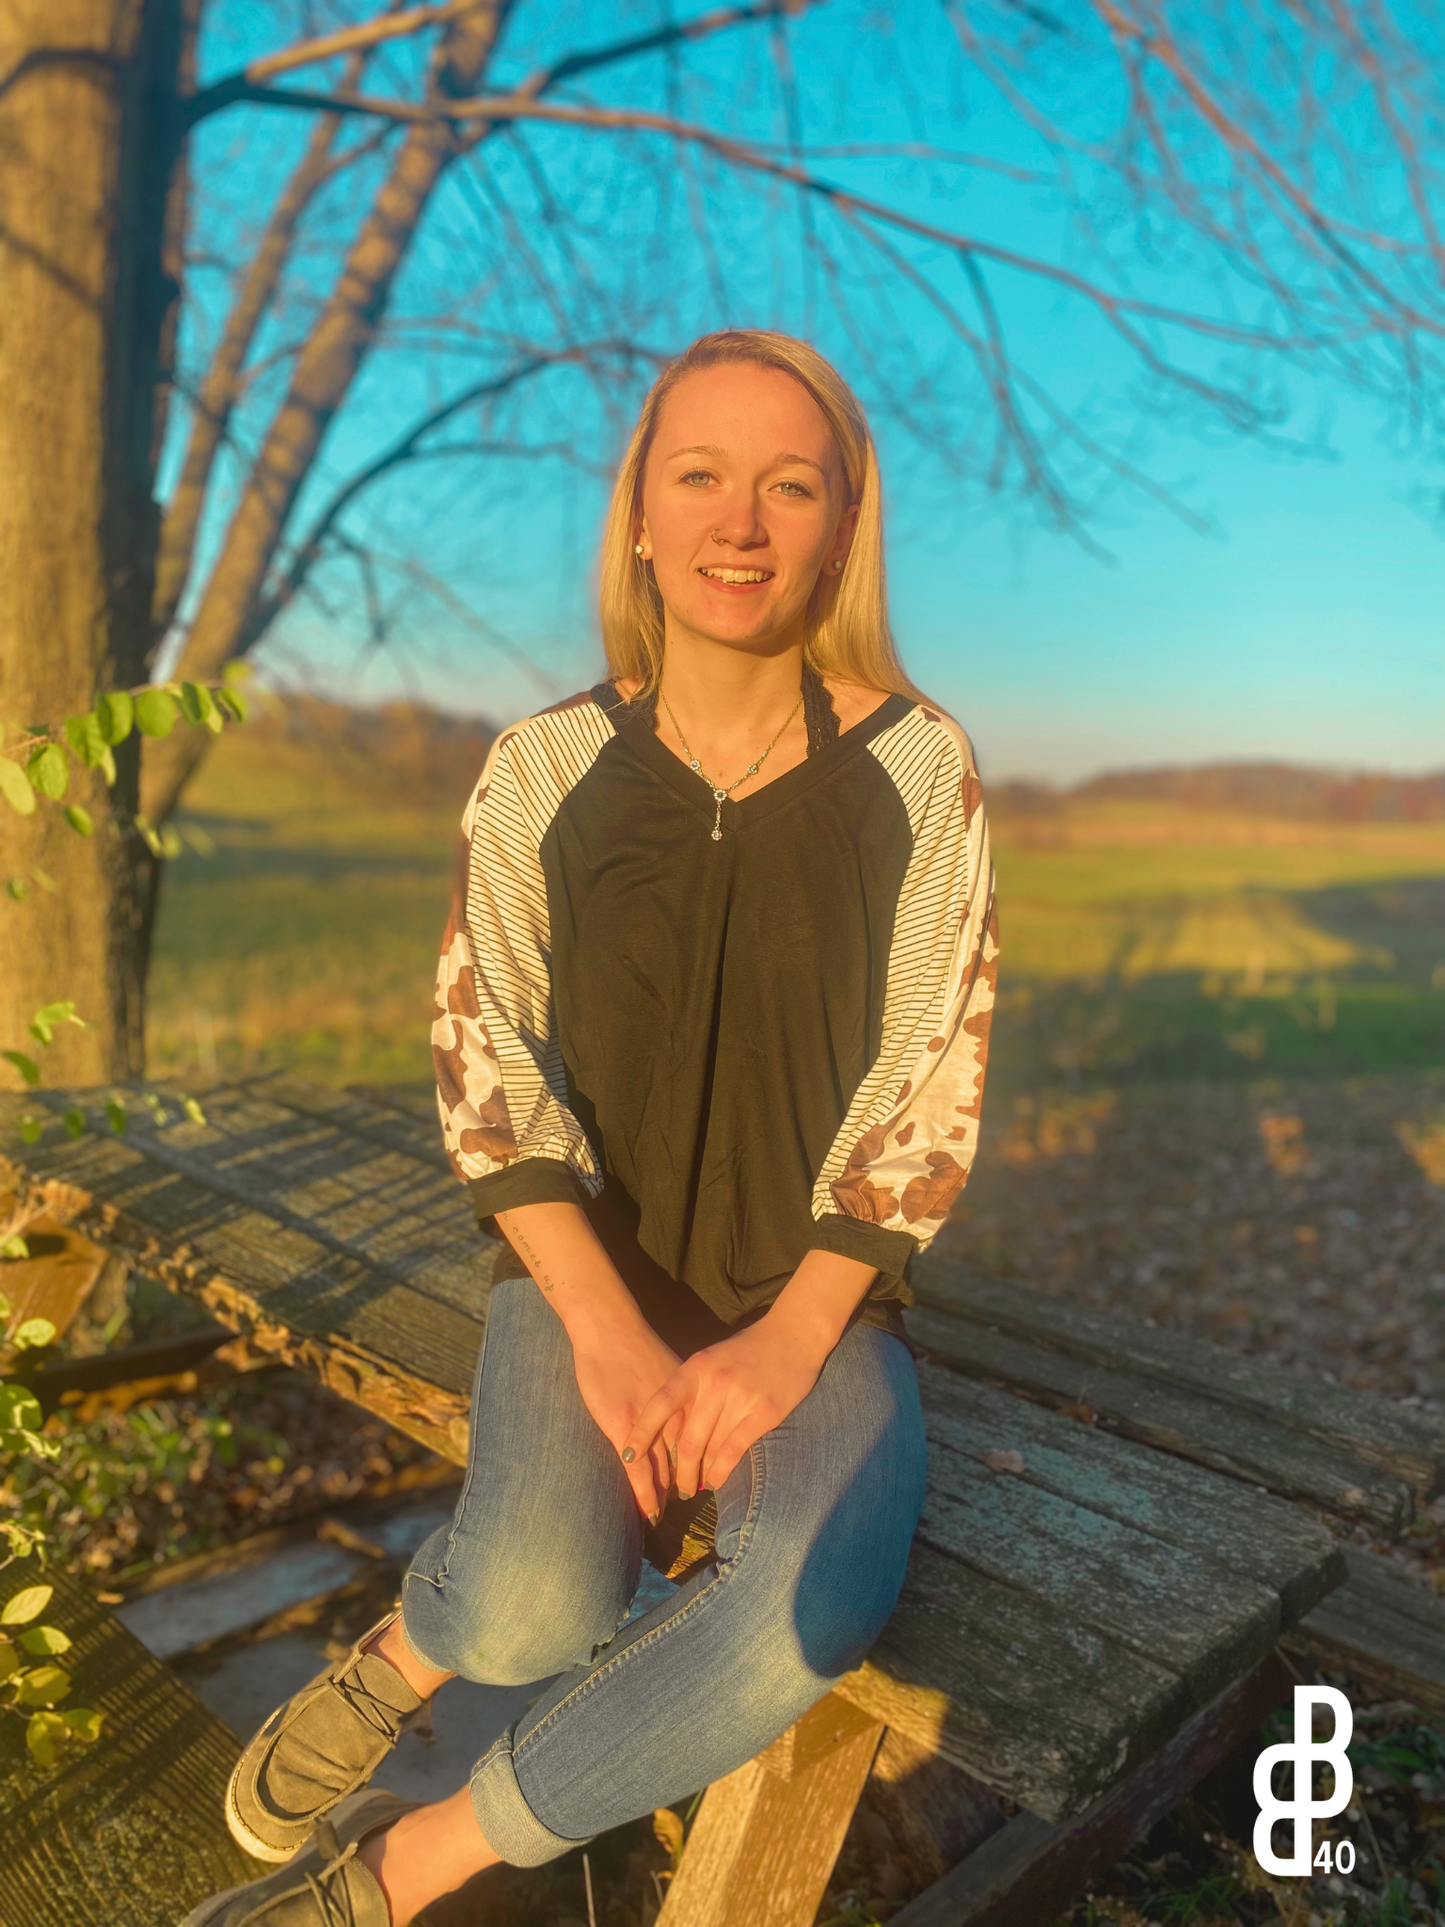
pixel 1138 943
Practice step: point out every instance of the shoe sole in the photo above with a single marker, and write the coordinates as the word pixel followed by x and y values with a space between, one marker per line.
pixel 389 1807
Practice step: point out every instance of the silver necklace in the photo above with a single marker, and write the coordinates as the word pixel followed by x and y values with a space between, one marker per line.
pixel 721 792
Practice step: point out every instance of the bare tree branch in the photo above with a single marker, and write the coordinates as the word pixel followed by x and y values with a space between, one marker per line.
pixel 222 385
pixel 407 448
pixel 244 84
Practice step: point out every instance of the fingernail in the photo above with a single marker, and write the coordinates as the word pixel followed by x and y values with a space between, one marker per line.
pixel 628 1455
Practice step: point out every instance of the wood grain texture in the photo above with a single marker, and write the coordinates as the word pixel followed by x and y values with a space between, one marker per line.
pixel 128 1831
pixel 1408 1444
pixel 935 1813
pixel 1386 1631
pixel 766 1837
pixel 1176 1419
pixel 1028 1870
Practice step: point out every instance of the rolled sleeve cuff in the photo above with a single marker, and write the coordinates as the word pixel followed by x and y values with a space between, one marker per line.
pixel 525 1181
pixel 887 1251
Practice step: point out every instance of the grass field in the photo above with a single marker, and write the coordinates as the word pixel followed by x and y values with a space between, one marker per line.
pixel 1139 942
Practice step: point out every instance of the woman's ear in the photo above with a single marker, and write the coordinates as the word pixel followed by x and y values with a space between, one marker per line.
pixel 843 539
pixel 643 546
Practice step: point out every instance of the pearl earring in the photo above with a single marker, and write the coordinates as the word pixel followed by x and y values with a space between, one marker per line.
pixel 835 567
pixel 637 548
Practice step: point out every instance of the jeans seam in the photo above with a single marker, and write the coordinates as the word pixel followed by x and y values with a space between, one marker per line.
pixel 745 1537
pixel 443 1571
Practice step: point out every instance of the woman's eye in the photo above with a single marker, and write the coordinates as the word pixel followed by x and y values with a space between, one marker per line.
pixel 695 477
pixel 794 488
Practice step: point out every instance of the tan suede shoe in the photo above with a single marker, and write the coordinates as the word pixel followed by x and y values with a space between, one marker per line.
pixel 324 1885
pixel 324 1743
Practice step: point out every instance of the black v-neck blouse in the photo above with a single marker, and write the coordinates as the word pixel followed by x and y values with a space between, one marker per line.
pixel 728 1053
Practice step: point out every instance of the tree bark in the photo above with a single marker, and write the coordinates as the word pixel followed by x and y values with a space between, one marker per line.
pixel 88 126
pixel 325 369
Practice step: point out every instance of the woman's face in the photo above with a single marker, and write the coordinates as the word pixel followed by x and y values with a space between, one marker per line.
pixel 744 504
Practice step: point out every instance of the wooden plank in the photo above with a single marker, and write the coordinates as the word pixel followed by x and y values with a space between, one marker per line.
pixel 766 1837
pixel 936 1814
pixel 409 1125
pixel 128 1831
pixel 1406 1443
pixel 1031 1870
pixel 1274 1542
pixel 1229 1439
pixel 1022 1696
pixel 1386 1631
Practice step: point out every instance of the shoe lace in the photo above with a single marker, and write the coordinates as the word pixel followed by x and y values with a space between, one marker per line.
pixel 332 1895
pixel 378 1715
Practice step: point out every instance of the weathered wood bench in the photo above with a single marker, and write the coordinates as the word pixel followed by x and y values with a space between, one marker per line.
pixel 1127 1532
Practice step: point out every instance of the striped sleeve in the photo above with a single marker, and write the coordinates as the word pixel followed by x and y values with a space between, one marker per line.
pixel 501 1087
pixel 905 1147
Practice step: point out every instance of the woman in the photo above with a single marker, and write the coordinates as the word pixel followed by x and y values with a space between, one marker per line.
pixel 712 1019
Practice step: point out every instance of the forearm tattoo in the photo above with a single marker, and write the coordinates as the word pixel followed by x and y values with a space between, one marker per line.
pixel 532 1259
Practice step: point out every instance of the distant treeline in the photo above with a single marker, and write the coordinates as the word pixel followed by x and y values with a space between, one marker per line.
pixel 410 752
pixel 1255 789
pixel 404 752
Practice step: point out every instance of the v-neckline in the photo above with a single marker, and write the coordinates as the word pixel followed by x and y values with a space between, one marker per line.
pixel 739 812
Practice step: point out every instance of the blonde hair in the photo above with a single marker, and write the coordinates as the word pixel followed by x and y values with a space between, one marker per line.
pixel 848 636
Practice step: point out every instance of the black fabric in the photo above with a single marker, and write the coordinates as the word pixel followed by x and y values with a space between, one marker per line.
pixel 717 1005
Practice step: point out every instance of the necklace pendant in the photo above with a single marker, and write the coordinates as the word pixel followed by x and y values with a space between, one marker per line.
pixel 719 796
pixel 716 835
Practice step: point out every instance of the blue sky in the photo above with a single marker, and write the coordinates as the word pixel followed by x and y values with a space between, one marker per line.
pixel 1307 624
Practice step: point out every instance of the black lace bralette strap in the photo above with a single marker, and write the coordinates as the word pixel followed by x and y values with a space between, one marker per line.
pixel 818 712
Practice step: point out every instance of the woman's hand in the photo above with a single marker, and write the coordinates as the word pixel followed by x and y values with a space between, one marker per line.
pixel 721 1400
pixel 619 1359
pixel 618 1371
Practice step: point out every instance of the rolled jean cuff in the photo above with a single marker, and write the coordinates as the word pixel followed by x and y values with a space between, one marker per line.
pixel 511 1827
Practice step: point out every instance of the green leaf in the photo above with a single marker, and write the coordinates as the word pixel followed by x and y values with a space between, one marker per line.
pixel 155 712
pixel 193 1110
pixel 18 888
pixel 9 1661
pixel 15 787
pixel 171 845
pixel 44 879
pixel 116 1112
pixel 49 771
pixel 200 840
pixel 236 670
pixel 42 1686
pixel 84 736
pixel 199 706
pixel 44 1734
pixel 34 1333
pixel 46 1639
pixel 233 701
pixel 19 1412
pixel 147 830
pixel 7 1310
pixel 26 1066
pixel 43 1023
pixel 78 819
pixel 24 1606
pixel 13 1247
pixel 84 1722
pixel 75 1121
pixel 116 714
pixel 30 1128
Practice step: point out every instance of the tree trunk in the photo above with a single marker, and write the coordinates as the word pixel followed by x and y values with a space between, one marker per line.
pixel 324 372
pixel 87 142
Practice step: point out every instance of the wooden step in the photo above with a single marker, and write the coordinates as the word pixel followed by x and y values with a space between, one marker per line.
pixel 129 1830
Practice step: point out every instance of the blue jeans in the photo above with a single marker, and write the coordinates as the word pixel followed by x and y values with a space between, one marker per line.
pixel 537 1570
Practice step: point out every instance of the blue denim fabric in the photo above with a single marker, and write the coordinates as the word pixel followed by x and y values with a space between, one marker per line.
pixel 536 1572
